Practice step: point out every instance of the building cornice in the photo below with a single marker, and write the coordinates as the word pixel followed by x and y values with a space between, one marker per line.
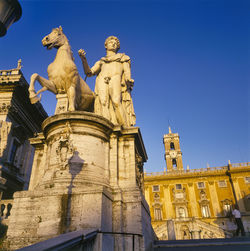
pixel 195 173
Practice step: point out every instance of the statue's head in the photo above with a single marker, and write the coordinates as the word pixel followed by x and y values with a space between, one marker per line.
pixel 55 39
pixel 112 43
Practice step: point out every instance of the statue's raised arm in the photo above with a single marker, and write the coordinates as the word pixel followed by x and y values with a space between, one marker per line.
pixel 113 84
pixel 86 67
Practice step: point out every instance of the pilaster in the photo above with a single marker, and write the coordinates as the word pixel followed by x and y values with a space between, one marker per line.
pixel 214 198
pixel 170 214
pixel 238 194
pixel 193 200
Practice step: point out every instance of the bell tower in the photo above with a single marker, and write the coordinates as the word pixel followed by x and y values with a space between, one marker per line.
pixel 173 154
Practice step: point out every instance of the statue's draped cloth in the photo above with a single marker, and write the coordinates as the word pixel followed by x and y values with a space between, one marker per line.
pixel 127 103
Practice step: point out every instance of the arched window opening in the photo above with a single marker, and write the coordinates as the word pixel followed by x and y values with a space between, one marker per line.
pixel 174 162
pixel 172 146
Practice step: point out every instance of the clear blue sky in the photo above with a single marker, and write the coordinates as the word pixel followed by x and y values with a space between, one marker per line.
pixel 190 63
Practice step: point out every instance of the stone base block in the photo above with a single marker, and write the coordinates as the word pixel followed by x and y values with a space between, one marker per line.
pixel 40 215
pixel 62 103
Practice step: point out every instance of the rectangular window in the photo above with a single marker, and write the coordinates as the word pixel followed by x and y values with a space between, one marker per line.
pixel 201 185
pixel 156 188
pixel 226 209
pixel 205 211
pixel 181 212
pixel 178 186
pixel 158 214
pixel 222 183
pixel 13 151
pixel 247 180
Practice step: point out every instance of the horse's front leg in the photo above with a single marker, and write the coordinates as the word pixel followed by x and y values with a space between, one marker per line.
pixel 45 83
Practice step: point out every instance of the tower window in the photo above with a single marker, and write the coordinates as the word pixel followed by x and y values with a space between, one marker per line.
pixel 174 162
pixel 172 146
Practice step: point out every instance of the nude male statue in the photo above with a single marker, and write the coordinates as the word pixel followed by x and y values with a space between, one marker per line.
pixel 113 84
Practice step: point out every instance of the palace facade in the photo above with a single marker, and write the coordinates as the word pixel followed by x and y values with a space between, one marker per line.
pixel 196 203
pixel 19 121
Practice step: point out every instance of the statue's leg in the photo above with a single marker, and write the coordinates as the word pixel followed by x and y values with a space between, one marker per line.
pixel 45 83
pixel 115 95
pixel 103 97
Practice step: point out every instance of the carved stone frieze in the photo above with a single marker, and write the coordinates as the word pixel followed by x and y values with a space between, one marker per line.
pixel 203 198
pixel 5 128
pixel 179 196
pixel 4 107
pixel 139 171
pixel 139 161
pixel 64 150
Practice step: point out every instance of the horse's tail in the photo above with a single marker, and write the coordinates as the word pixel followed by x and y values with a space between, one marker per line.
pixel 87 97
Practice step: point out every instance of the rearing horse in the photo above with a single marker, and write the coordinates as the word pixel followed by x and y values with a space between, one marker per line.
pixel 63 75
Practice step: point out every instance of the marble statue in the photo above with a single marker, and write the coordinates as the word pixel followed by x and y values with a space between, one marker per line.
pixel 63 75
pixel 113 84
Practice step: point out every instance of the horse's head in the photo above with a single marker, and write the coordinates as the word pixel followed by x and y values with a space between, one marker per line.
pixel 55 39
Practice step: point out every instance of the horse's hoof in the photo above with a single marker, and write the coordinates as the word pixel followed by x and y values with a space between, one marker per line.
pixel 71 109
pixel 35 99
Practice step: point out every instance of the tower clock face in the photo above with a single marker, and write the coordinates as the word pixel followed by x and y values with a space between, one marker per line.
pixel 173 154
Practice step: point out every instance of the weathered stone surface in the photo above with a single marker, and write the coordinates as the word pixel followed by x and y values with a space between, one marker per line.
pixel 86 174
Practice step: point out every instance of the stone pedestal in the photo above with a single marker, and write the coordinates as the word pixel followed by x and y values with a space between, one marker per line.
pixel 62 103
pixel 86 174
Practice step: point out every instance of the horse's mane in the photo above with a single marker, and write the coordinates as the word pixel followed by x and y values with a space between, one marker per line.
pixel 61 31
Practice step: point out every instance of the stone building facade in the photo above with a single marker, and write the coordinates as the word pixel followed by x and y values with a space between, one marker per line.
pixel 19 120
pixel 196 203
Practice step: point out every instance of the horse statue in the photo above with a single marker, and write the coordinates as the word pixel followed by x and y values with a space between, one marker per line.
pixel 63 75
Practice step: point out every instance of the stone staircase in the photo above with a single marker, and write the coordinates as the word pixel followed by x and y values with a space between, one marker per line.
pixel 228 244
pixel 215 229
